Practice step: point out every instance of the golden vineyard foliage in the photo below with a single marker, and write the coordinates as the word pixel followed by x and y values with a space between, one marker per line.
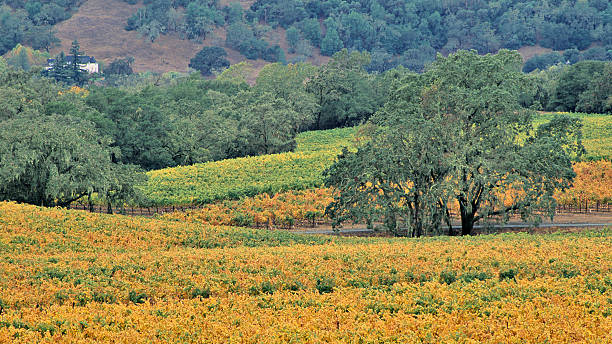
pixel 593 183
pixel 246 177
pixel 300 170
pixel 285 209
pixel 77 277
pixel 75 90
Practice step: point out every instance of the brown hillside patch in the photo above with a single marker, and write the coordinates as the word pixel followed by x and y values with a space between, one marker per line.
pixel 246 4
pixel 99 28
pixel 528 52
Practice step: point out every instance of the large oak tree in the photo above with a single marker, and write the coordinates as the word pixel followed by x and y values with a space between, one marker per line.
pixel 481 156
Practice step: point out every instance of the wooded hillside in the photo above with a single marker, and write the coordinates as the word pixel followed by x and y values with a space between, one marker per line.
pixel 164 35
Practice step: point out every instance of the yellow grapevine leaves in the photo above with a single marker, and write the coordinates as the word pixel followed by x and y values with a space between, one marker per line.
pixel 286 209
pixel 246 177
pixel 593 184
pixel 76 277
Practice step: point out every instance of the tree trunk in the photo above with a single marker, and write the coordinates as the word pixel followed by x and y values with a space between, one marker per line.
pixel 418 225
pixel 467 220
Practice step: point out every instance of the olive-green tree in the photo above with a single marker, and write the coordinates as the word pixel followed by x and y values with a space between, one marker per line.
pixel 343 91
pixel 463 124
pixel 288 82
pixel 52 160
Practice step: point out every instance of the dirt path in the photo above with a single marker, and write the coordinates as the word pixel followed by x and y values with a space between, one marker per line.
pixel 561 222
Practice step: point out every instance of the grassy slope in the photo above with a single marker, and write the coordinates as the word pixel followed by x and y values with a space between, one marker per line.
pixel 235 178
pixel 72 276
pixel 98 26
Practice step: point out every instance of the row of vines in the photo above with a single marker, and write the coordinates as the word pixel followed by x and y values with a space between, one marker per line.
pixel 76 277
pixel 306 208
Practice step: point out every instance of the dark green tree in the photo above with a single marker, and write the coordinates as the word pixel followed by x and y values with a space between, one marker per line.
pixel 293 38
pixel 343 91
pixel 311 30
pixel 473 145
pixel 78 75
pixel 381 183
pixel 41 37
pixel 571 55
pixel 60 71
pixel 268 124
pixel 493 149
pixel 209 59
pixel 287 82
pixel 597 97
pixel 122 187
pixel 572 82
pixel 120 67
pixel 138 127
pixel 331 43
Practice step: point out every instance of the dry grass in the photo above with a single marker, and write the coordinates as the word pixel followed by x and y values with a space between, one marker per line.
pixel 528 52
pixel 99 28
pixel 244 3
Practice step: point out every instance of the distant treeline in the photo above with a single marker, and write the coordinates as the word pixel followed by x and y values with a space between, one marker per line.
pixel 569 56
pixel 156 124
pixel 393 31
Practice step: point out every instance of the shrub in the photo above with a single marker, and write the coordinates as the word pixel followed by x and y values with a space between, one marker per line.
pixel 325 285
pixel 136 297
pixel 202 293
pixel 508 274
pixel 448 277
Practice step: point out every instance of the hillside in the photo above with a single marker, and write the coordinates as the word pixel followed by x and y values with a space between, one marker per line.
pixel 409 36
pixel 99 27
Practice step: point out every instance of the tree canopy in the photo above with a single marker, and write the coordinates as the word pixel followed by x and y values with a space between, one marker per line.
pixel 51 160
pixel 209 59
pixel 456 138
pixel 52 150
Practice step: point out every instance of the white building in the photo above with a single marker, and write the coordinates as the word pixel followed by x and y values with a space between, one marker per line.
pixel 87 63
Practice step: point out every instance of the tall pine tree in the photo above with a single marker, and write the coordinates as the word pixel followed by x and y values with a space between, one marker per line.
pixel 78 75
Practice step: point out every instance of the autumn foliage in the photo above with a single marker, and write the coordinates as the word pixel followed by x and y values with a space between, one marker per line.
pixel 593 184
pixel 285 209
pixel 77 277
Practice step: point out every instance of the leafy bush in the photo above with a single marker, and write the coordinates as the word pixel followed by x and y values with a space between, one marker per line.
pixel 325 285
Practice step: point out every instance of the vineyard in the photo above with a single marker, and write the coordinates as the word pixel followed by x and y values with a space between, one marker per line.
pixel 592 190
pixel 301 170
pixel 80 277
pixel 596 131
pixel 245 177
